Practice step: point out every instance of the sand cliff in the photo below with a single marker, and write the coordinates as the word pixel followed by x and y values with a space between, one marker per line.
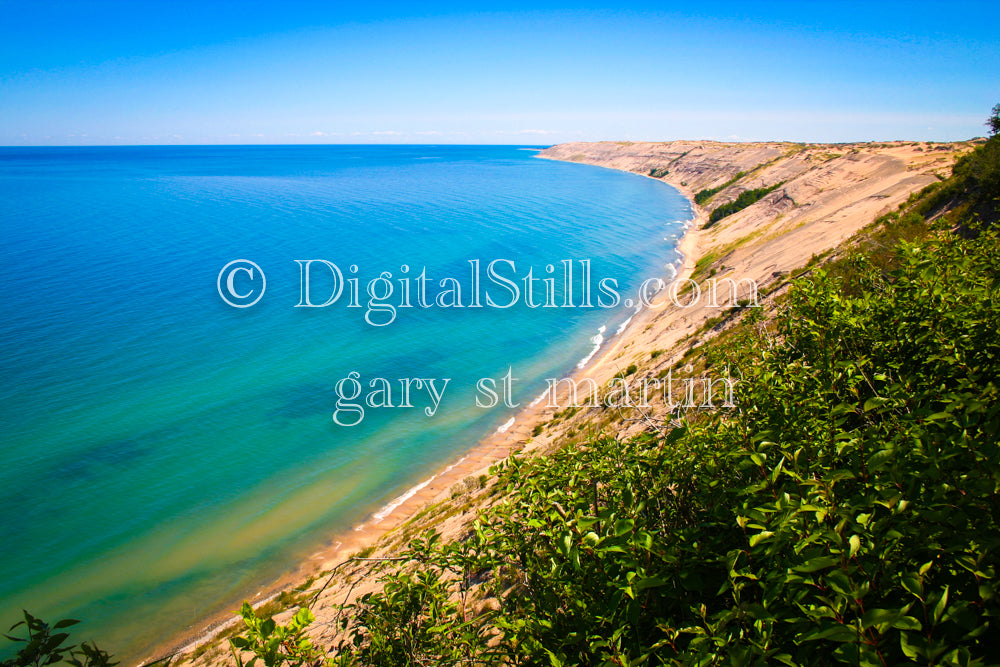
pixel 826 193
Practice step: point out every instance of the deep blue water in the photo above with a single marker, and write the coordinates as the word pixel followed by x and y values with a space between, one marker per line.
pixel 163 453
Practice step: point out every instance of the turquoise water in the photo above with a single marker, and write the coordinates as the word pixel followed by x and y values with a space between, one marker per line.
pixel 164 453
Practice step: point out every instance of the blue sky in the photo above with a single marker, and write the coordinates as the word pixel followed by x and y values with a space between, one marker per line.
pixel 111 72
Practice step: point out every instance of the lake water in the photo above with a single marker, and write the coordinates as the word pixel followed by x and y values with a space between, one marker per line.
pixel 164 452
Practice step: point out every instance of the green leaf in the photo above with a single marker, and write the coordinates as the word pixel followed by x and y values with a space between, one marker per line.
pixel 623 526
pixel 648 582
pixel 837 633
pixel 855 544
pixel 819 563
pixel 913 585
pixel 875 402
pixel 890 617
pixel 940 607
pixel 565 543
pixel 913 645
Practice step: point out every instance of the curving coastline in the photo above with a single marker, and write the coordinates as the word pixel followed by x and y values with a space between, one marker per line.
pixel 828 193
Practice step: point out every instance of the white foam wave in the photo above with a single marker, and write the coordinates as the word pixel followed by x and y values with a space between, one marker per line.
pixel 452 466
pixel 538 399
pixel 596 340
pixel 391 507
pixel 506 426
pixel 624 325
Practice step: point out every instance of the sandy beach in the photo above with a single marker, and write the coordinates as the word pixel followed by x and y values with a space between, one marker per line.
pixel 824 195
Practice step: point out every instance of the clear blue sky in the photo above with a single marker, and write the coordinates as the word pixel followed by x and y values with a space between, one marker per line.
pixel 158 72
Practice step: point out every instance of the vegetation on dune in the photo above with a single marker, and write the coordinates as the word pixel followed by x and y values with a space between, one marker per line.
pixel 745 198
pixel 706 194
pixel 993 122
pixel 44 644
pixel 974 188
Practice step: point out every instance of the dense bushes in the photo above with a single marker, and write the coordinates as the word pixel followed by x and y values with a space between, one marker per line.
pixel 977 180
pixel 973 191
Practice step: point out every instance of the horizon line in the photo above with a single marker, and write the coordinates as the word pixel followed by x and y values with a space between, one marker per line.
pixel 540 146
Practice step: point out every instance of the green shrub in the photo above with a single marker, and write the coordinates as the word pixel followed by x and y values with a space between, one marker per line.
pixel 42 646
pixel 703 196
pixel 274 644
pixel 745 199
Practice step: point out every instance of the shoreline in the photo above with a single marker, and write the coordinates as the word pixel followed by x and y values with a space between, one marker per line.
pixel 513 436
pixel 824 198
